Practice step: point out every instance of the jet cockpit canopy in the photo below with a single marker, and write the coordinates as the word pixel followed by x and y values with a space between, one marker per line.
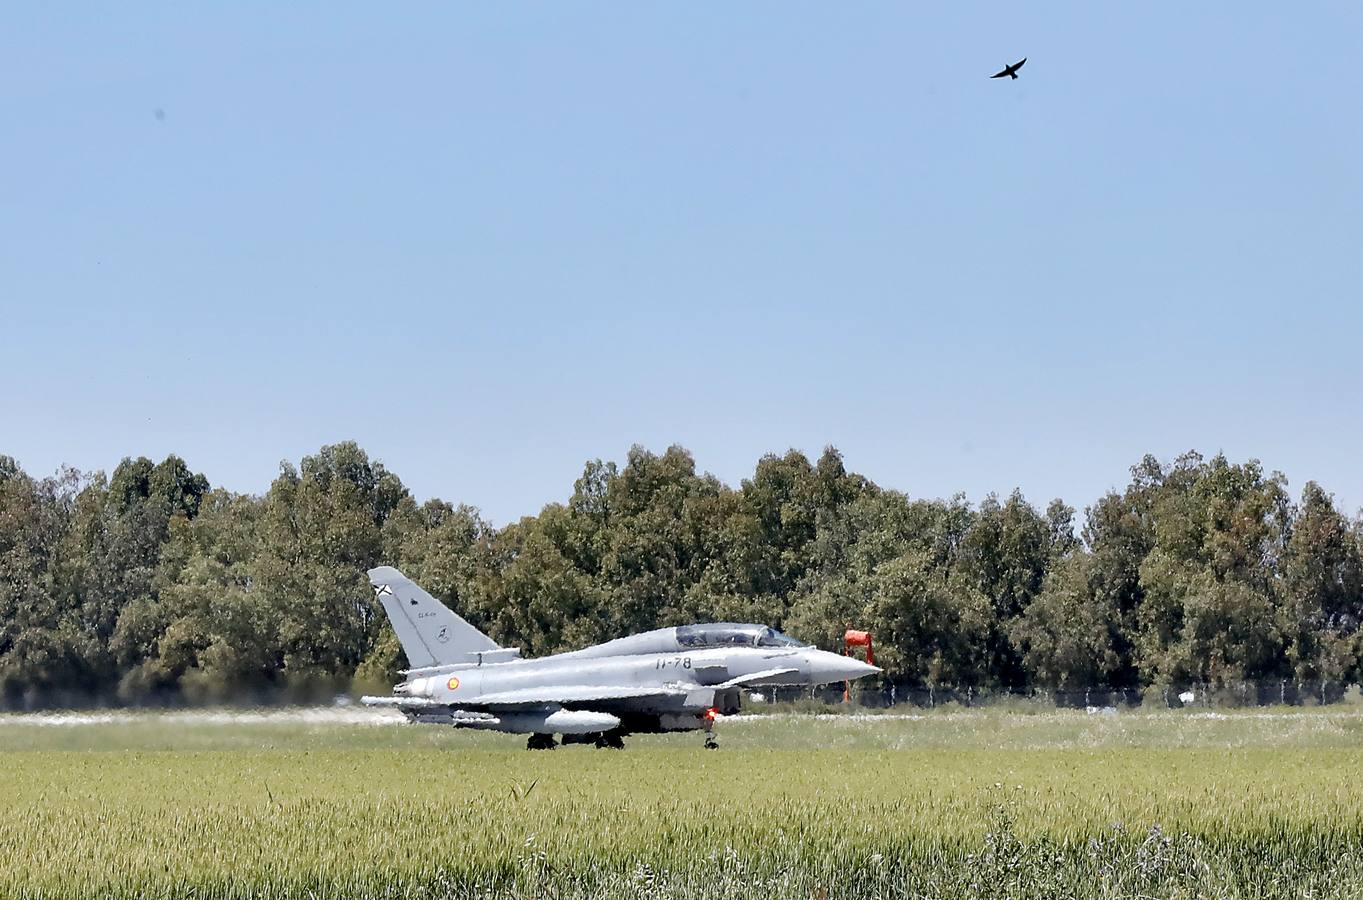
pixel 732 634
pixel 691 637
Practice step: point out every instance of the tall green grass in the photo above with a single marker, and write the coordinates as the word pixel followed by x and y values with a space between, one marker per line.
pixel 667 819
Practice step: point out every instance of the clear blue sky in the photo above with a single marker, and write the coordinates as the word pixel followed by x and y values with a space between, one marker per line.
pixel 490 244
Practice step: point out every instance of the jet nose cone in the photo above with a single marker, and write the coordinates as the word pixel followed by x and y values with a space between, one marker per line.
pixel 868 669
pixel 855 668
pixel 826 668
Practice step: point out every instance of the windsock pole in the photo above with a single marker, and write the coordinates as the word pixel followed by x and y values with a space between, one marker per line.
pixel 853 638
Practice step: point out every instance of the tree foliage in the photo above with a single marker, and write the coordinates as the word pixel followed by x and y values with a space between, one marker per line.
pixel 149 586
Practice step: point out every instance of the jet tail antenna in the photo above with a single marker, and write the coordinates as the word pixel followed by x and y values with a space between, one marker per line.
pixel 854 638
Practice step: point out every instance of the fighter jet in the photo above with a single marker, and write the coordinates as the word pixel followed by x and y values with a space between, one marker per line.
pixel 1010 71
pixel 670 679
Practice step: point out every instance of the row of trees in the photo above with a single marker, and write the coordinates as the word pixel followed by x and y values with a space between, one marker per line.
pixel 151 586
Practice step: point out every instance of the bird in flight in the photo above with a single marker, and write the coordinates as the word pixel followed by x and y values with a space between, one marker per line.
pixel 1011 71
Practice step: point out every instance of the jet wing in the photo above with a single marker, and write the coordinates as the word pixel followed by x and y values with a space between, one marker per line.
pixel 402 702
pixel 570 693
pixel 756 677
pixel 535 696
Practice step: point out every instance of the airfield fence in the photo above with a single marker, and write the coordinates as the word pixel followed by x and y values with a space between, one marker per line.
pixel 1224 695
pixel 871 694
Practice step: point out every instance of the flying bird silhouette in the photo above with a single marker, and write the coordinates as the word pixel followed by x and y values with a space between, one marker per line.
pixel 1011 71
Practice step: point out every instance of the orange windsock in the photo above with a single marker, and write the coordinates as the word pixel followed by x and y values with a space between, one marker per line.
pixel 853 638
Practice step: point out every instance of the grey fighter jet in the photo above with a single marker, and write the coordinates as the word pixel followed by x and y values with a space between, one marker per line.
pixel 671 679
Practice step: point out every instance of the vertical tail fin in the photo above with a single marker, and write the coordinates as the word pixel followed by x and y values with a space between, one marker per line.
pixel 429 632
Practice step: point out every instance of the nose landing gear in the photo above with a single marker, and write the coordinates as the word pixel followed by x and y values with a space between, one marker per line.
pixel 540 742
pixel 708 720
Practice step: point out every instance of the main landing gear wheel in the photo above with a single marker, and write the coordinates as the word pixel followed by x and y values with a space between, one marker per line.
pixel 540 742
pixel 610 740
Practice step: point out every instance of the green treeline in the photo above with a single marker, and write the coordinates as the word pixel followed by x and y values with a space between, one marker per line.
pixel 150 586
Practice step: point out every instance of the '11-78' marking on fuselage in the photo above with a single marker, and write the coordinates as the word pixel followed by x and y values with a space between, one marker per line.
pixel 680 662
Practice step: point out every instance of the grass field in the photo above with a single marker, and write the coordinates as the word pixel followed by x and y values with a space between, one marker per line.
pixel 342 804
